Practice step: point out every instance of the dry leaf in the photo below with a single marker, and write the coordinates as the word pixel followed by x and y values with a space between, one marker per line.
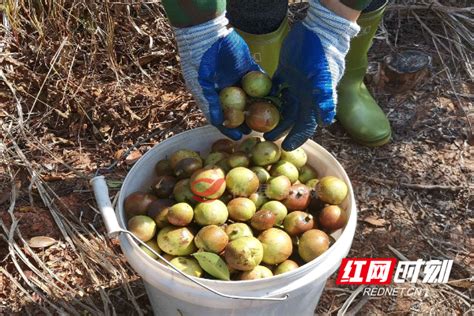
pixel 133 157
pixel 41 242
pixel 372 220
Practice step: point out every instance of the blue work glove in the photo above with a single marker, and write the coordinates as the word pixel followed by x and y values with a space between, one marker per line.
pixel 310 66
pixel 213 57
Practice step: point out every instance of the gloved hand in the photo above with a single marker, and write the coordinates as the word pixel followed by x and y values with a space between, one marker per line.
pixel 213 57
pixel 311 64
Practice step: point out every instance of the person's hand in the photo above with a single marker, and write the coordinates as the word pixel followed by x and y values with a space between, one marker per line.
pixel 311 64
pixel 213 57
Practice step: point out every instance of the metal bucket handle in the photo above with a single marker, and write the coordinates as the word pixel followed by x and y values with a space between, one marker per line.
pixel 101 193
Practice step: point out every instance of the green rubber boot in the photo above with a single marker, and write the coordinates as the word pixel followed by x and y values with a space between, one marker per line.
pixel 265 48
pixel 357 110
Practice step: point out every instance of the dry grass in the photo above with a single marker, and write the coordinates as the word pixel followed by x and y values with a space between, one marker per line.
pixel 82 81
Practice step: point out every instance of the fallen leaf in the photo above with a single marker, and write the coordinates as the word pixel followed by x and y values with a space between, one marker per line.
pixel 41 242
pixel 133 157
pixel 372 220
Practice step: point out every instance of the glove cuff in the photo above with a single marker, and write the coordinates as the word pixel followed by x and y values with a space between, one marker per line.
pixel 195 40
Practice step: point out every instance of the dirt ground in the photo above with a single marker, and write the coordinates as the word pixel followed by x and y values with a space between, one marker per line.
pixel 77 94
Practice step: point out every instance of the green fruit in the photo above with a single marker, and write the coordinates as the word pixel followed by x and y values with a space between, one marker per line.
pixel 176 241
pixel 285 266
pixel 259 272
pixel 244 253
pixel 224 165
pixel 164 185
pixel 223 145
pixel 265 153
pixel 180 214
pixel 257 84
pixel 137 203
pixel 241 209
pixel 262 220
pixel 285 168
pixel 238 159
pixel 242 182
pixel 332 217
pixel 233 98
pixel 331 190
pixel 297 157
pixel 262 174
pixel 182 192
pixel 208 182
pixel 277 208
pixel 211 238
pixel 298 222
pixel 189 266
pixel 163 168
pixel 152 244
pixel 187 166
pixel 143 227
pixel 158 210
pixel 214 157
pixel 312 183
pixel 278 188
pixel 312 244
pixel 248 144
pixel 238 230
pixel 258 198
pixel 307 173
pixel 233 118
pixel 277 245
pixel 213 212
pixel 181 154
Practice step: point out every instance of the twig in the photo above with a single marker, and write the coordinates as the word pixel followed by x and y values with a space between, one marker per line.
pixel 416 185
pixel 342 311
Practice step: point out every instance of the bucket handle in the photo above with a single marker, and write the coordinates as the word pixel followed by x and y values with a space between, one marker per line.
pixel 101 193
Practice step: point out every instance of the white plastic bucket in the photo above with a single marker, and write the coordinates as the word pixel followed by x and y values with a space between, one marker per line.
pixel 171 294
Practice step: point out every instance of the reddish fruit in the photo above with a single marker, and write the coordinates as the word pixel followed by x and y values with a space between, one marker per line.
pixel 298 222
pixel 180 214
pixel 208 182
pixel 238 230
pixel 176 241
pixel 285 266
pixel 181 154
pixel 164 185
pixel 331 190
pixel 278 188
pixel 257 84
pixel 238 159
pixel 158 210
pixel 277 208
pixel 312 244
pixel 262 220
pixel 248 144
pixel 307 173
pixel 242 182
pixel 186 167
pixel 262 117
pixel 332 217
pixel 137 203
pixel 143 227
pixel 241 209
pixel 265 153
pixel 211 238
pixel 259 272
pixel 233 98
pixel 244 253
pixel 163 168
pixel 299 197
pixel 277 245
pixel 285 168
pixel 223 145
pixel 212 212
pixel 233 118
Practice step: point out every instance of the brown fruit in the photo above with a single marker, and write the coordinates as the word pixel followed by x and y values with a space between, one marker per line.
pixel 262 117
pixel 263 219
pixel 137 203
pixel 298 222
pixel 241 209
pixel 181 154
pixel 211 238
pixel 143 227
pixel 332 217
pixel 163 168
pixel 312 244
pixel 223 145
pixel 158 210
pixel 238 159
pixel 186 167
pixel 277 208
pixel 164 186
pixel 299 197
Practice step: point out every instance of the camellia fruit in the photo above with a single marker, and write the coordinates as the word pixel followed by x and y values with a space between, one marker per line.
pixel 208 182
pixel 262 117
pixel 297 157
pixel 238 230
pixel 263 219
pixel 214 157
pixel 298 222
pixel 278 188
pixel 153 245
pixel 176 241
pixel 244 253
pixel 299 197
pixel 285 168
pixel 189 266
pixel 248 144
pixel 233 118
pixel 180 214
pixel 223 145
pixel 307 173
pixel 137 203
pixel 242 181
pixel 285 266
pixel 312 244
pixel 257 84
pixel 212 212
pixel 158 210
pixel 332 217
pixel 187 166
pixel 241 209
pixel 277 245
pixel 265 153
pixel 163 168
pixel 143 227
pixel 259 272
pixel 331 190
pixel 233 98
pixel 277 208
pixel 181 154
pixel 164 185
pixel 211 238
pixel 262 174
pixel 238 159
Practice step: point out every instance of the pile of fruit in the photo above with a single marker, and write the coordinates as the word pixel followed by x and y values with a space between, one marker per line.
pixel 250 103
pixel 247 211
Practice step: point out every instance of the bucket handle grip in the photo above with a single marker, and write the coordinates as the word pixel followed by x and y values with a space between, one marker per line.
pixel 101 193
